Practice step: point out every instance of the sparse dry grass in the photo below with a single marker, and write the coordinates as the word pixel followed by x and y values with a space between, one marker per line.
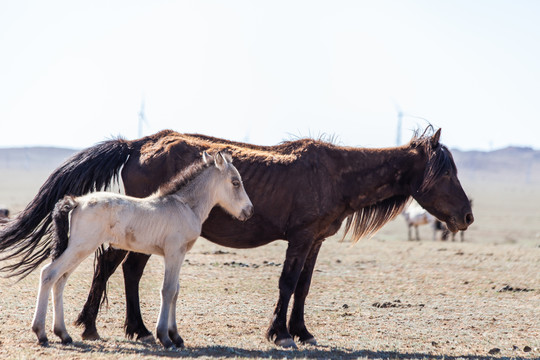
pixel 439 300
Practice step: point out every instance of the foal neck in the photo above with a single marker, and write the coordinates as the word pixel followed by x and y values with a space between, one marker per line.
pixel 200 193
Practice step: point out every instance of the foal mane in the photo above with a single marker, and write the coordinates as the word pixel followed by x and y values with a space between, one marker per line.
pixel 183 178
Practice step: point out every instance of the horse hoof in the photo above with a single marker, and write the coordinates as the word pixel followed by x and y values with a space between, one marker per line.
pixel 310 341
pixel 44 342
pixel 286 343
pixel 67 340
pixel 147 339
pixel 91 337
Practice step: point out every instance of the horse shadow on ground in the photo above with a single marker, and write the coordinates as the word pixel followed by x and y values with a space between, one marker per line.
pixel 225 352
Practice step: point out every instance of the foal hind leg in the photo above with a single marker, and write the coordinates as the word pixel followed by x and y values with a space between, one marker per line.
pixel 38 323
pixel 106 265
pixel 59 327
pixel 48 278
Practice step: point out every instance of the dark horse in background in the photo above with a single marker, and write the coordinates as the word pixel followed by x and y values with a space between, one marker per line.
pixel 301 190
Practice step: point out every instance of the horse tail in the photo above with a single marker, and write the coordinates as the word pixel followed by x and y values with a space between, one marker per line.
pixel 92 169
pixel 60 218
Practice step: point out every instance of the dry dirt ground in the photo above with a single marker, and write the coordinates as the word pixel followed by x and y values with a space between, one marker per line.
pixel 382 298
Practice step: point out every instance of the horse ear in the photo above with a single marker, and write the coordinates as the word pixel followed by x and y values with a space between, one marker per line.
pixel 435 138
pixel 208 159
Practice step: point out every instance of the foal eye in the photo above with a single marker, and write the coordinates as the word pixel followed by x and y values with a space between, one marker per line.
pixel 236 183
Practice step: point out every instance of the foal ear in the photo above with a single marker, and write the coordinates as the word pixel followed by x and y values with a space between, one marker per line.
pixel 207 158
pixel 226 156
pixel 435 138
pixel 220 161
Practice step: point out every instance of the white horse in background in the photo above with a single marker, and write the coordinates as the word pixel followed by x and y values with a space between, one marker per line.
pixel 416 215
pixel 166 223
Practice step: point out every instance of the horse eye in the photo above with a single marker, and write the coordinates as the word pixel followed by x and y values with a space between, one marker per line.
pixel 236 183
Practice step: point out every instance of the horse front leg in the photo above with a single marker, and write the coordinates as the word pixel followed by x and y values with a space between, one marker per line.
pixel 294 262
pixel 105 267
pixel 297 326
pixel 133 269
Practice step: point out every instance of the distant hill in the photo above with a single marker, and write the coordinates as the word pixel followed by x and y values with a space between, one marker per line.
pixel 516 165
pixel 512 164
pixel 33 158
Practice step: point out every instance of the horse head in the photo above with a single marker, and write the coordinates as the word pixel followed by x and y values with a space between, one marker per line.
pixel 438 190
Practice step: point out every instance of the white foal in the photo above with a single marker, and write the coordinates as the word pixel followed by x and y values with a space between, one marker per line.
pixel 166 223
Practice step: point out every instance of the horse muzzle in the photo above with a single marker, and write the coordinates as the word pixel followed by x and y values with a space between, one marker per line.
pixel 455 226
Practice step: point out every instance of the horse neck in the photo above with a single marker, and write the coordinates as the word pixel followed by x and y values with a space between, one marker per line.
pixel 370 176
pixel 199 194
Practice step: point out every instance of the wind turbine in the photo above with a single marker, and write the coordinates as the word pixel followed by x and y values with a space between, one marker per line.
pixel 399 122
pixel 142 118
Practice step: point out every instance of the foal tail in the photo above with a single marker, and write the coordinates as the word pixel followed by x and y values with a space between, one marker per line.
pixel 89 170
pixel 60 217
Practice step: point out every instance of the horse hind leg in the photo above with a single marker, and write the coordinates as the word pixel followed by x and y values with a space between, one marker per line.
pixel 133 268
pixel 107 263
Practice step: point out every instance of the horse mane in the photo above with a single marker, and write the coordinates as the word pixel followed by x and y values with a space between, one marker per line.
pixel 439 158
pixel 367 221
pixel 183 178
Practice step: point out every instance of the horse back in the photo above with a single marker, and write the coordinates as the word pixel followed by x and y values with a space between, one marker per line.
pixel 289 185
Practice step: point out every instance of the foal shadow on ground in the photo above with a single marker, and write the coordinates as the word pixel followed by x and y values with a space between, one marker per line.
pixel 319 352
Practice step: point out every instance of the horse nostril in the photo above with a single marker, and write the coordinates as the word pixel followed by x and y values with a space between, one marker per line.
pixel 469 218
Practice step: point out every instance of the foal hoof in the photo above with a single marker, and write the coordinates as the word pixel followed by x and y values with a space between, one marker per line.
pixel 67 340
pixel 286 343
pixel 310 341
pixel 44 342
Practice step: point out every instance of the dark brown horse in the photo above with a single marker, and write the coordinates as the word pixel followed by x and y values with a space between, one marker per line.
pixel 302 191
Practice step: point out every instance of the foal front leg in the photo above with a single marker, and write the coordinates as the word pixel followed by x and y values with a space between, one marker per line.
pixel 173 327
pixel 169 292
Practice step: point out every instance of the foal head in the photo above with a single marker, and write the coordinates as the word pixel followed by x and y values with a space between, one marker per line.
pixel 229 189
pixel 439 190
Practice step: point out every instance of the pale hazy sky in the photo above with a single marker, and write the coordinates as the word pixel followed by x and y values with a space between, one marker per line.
pixel 73 73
